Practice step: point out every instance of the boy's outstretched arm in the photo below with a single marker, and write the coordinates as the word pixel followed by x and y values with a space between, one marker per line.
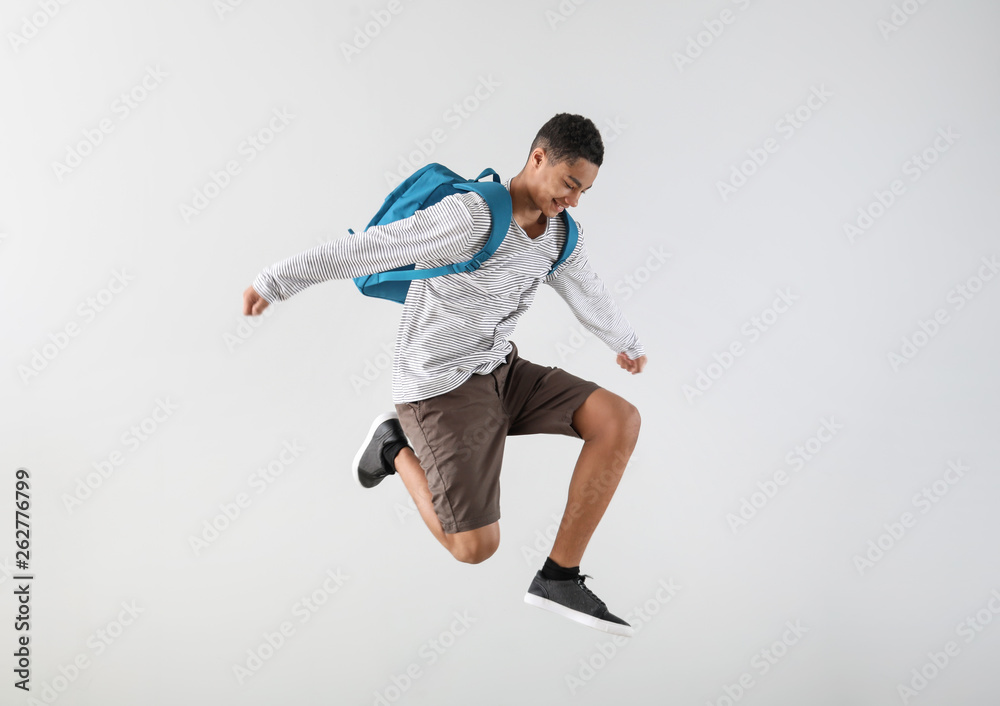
pixel 450 229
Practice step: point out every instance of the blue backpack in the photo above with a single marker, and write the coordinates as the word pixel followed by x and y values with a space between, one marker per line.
pixel 426 187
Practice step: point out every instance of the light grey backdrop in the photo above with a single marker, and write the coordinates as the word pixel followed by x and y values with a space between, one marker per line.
pixel 797 213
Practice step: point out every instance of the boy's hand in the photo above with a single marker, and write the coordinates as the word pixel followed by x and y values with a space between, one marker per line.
pixel 633 366
pixel 253 303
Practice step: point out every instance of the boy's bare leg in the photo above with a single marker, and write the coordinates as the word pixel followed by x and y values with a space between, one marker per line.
pixel 609 426
pixel 472 546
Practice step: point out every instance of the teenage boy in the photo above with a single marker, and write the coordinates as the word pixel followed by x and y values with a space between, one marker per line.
pixel 460 387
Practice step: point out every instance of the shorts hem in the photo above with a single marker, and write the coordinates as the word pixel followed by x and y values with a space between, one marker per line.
pixel 591 389
pixel 467 525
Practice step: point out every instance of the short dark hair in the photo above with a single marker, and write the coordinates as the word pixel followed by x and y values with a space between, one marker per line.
pixel 570 137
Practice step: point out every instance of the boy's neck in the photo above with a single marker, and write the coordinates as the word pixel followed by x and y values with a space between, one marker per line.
pixel 526 213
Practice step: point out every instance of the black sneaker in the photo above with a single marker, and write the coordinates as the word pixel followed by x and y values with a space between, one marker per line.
pixel 370 467
pixel 572 599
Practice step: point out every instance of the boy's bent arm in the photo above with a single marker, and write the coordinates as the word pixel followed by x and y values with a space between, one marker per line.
pixel 444 230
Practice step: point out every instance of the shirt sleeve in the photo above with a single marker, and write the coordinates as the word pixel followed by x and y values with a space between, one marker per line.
pixel 447 230
pixel 591 302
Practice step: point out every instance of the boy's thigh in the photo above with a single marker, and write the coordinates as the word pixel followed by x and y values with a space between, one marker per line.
pixel 458 437
pixel 541 399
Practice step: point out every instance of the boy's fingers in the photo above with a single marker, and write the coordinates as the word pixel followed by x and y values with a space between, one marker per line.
pixel 252 302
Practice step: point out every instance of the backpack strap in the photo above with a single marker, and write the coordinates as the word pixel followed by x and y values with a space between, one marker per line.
pixel 501 213
pixel 501 210
pixel 496 177
pixel 571 238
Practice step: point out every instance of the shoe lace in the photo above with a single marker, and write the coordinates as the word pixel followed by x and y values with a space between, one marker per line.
pixel 581 584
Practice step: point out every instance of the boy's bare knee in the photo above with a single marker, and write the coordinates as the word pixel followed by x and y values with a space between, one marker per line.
pixel 624 424
pixel 473 555
pixel 475 546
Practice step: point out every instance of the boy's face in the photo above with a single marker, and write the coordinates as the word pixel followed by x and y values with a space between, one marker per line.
pixel 559 185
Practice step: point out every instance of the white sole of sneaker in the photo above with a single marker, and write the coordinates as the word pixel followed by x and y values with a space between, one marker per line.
pixel 588 620
pixel 355 467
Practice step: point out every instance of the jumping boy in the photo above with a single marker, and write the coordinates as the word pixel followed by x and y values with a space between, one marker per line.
pixel 459 386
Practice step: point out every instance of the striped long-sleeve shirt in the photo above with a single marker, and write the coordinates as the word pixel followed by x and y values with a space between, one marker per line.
pixel 457 325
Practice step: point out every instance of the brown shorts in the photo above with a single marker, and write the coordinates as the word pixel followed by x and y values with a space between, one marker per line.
pixel 458 436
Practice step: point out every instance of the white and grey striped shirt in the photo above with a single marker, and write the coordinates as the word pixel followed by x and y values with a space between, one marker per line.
pixel 457 325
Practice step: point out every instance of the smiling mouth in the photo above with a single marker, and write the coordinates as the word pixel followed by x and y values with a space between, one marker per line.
pixel 558 206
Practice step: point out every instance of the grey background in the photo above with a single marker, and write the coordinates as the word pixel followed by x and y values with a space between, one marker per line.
pixel 672 134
